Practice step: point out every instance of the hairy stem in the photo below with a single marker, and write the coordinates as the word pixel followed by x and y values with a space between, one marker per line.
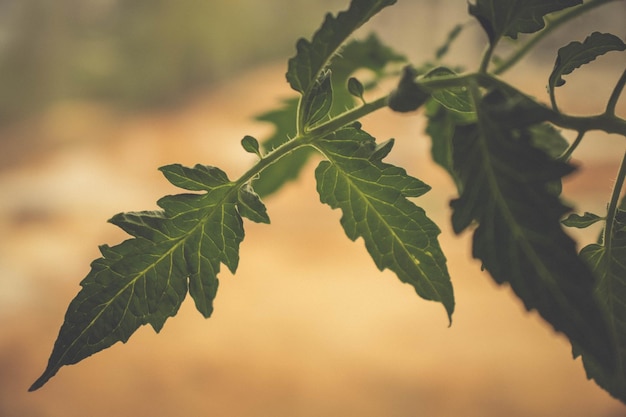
pixel 551 25
pixel 347 118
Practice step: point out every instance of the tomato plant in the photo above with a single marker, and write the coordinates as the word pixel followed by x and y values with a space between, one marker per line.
pixel 503 148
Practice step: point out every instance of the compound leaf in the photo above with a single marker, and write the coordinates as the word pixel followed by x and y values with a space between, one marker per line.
pixel 144 279
pixel 576 54
pixel 607 262
pixel 373 198
pixel 512 17
pixel 506 190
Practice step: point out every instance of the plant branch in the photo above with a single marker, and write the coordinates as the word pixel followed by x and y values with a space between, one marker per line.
pixel 568 153
pixel 617 91
pixel 347 117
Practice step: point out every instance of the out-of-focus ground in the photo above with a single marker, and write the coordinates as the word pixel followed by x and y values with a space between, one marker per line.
pixel 308 326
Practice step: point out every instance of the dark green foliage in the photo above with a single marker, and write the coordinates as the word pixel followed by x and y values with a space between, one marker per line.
pixel 503 148
pixel 519 236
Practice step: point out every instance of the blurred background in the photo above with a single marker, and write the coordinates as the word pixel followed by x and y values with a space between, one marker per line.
pixel 96 95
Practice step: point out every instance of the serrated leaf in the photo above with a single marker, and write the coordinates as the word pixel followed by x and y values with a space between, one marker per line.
pixel 608 263
pixel 373 198
pixel 580 222
pixel 313 57
pixel 144 279
pixel 576 54
pixel 519 237
pixel 453 98
pixel 512 17
pixel 198 178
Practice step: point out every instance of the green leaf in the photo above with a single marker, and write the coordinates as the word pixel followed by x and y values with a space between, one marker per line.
pixel 198 178
pixel 519 238
pixel 355 87
pixel 453 98
pixel 576 54
pixel 580 222
pixel 313 57
pixel 373 198
pixel 251 145
pixel 512 17
pixel 607 262
pixel 144 279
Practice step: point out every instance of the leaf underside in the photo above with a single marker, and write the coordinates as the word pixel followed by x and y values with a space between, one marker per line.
pixel 506 191
pixel 373 198
pixel 144 279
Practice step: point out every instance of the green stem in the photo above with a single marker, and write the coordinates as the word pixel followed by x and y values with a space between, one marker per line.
pixel 617 91
pixel 272 157
pixel 306 138
pixel 614 204
pixel 551 25
pixel 347 118
pixel 486 59
pixel 568 153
